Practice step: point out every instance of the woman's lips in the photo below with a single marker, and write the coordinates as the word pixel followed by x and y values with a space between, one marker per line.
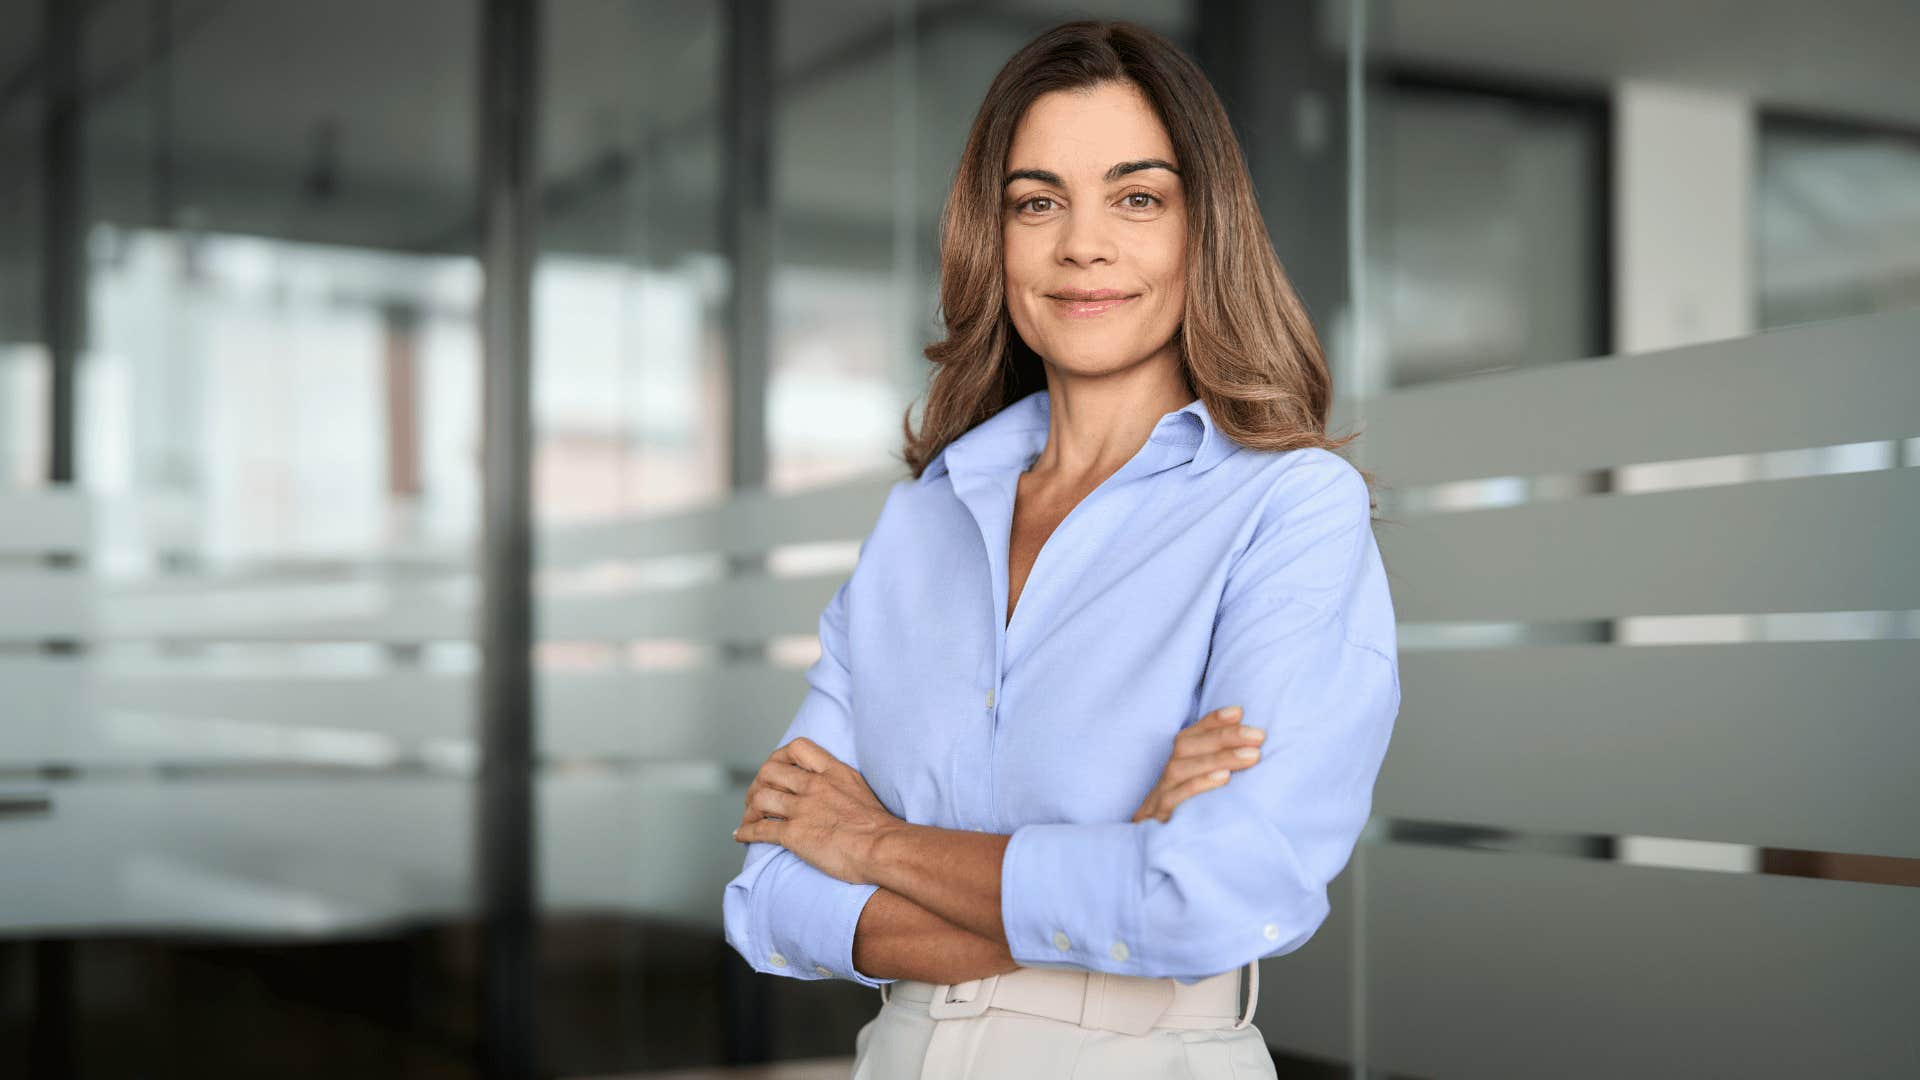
pixel 1085 309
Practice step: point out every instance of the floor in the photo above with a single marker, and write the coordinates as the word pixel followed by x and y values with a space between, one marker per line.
pixel 836 1068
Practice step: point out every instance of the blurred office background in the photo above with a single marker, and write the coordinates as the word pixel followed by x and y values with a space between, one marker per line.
pixel 1625 295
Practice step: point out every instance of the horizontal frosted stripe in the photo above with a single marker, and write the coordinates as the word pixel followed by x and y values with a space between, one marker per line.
pixel 748 523
pixel 1819 543
pixel 732 715
pixel 1846 381
pixel 275 855
pixel 32 522
pixel 291 609
pixel 61 711
pixel 608 843
pixel 41 604
pixel 1778 744
pixel 740 609
pixel 328 855
pixel 1507 964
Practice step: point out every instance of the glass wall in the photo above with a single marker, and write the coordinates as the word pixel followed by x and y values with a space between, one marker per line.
pixel 725 200
pixel 24 369
pixel 236 656
pixel 1552 183
pixel 1693 226
pixel 238 647
pixel 632 419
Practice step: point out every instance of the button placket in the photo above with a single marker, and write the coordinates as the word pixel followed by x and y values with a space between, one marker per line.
pixel 989 504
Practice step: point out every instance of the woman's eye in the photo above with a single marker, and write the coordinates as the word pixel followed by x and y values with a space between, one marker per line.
pixel 1149 201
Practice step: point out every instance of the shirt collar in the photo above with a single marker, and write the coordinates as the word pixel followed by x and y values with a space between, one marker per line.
pixel 1012 437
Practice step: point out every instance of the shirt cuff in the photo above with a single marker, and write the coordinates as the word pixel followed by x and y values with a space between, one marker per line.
pixel 809 923
pixel 1058 899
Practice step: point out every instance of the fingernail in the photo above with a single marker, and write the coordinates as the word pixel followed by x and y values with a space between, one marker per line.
pixel 1231 712
pixel 1217 774
pixel 1247 752
pixel 736 834
pixel 1254 733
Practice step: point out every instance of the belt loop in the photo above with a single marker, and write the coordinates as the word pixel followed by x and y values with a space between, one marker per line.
pixel 1251 979
pixel 1093 999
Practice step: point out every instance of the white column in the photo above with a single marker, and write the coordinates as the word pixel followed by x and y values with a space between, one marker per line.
pixel 1683 215
pixel 1683 274
pixel 1683 262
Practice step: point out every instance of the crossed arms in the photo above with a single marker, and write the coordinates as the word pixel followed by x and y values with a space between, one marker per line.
pixel 1237 875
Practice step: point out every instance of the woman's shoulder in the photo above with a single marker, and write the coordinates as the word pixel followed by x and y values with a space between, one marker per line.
pixel 1312 538
pixel 902 515
pixel 1311 481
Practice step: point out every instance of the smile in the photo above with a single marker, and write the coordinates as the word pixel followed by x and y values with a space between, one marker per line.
pixel 1083 309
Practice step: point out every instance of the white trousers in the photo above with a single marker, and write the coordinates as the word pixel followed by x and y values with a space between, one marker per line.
pixel 904 1042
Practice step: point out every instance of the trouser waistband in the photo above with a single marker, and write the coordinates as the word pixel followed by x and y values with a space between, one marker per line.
pixel 1092 999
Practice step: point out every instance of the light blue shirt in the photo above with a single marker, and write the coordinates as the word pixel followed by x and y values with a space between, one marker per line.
pixel 1201 574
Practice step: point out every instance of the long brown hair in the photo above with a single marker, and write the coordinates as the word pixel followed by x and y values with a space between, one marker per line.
pixel 1248 349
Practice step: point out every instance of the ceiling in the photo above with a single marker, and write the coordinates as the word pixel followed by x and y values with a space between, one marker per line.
pixel 355 119
pixel 1851 58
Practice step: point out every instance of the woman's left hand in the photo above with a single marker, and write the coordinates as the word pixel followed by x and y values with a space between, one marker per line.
pixel 818 807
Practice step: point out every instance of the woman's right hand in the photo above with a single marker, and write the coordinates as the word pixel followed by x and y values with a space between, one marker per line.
pixel 1204 755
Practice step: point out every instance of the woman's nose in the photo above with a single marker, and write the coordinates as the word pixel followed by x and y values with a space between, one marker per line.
pixel 1087 239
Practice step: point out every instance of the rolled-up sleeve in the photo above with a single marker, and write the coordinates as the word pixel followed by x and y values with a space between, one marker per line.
pixel 1304 643
pixel 783 915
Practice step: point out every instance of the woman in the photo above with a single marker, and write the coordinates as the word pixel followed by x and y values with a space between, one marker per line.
pixel 1129 568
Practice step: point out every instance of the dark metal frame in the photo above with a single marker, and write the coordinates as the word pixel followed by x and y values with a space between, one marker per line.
pixel 747 87
pixel 51 1049
pixel 505 826
pixel 63 290
pixel 1266 62
pixel 746 231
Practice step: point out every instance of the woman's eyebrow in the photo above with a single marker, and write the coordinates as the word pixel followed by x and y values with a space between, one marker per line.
pixel 1112 174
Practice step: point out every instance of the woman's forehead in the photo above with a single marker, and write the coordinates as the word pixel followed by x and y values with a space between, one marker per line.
pixel 1079 131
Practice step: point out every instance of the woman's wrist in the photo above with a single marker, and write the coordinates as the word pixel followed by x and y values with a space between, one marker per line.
pixel 898 939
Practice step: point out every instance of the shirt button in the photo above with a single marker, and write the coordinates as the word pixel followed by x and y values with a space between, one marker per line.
pixel 1119 950
pixel 1272 931
pixel 822 969
pixel 1060 941
pixel 989 699
pixel 778 960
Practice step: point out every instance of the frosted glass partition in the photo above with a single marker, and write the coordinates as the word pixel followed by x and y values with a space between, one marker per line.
pixel 1629 855
pixel 154 785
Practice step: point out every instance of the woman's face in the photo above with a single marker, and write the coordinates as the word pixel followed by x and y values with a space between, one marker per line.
pixel 1094 205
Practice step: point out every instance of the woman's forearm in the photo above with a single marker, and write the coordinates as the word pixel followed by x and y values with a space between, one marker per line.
pixel 898 939
pixel 953 873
